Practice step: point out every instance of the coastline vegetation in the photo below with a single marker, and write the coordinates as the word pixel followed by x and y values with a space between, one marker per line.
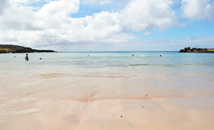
pixel 19 49
pixel 197 50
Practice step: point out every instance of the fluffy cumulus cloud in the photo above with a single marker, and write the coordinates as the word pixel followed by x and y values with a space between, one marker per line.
pixel 148 14
pixel 38 23
pixel 104 2
pixel 49 22
pixel 198 9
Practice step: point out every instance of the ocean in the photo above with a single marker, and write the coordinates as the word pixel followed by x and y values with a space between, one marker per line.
pixel 107 81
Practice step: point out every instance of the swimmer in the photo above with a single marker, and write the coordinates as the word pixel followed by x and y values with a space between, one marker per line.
pixel 26 57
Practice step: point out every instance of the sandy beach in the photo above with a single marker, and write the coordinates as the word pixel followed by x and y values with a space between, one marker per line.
pixel 78 103
pixel 160 113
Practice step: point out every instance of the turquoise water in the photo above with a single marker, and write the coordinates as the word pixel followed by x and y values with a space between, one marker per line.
pixel 80 75
pixel 185 62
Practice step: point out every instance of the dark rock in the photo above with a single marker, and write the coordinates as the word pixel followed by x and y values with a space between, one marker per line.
pixel 197 50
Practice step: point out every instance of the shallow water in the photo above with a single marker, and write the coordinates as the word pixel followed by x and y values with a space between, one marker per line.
pixel 109 74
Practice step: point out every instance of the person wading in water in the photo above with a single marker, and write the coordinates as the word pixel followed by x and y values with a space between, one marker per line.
pixel 26 57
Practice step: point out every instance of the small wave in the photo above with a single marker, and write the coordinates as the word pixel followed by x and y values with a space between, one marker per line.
pixel 143 56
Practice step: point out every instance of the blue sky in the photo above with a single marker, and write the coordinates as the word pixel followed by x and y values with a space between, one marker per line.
pixel 193 29
pixel 107 25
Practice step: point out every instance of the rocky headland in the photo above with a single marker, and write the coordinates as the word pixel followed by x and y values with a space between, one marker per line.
pixel 19 49
pixel 197 50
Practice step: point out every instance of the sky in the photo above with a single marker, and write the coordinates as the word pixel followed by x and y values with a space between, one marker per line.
pixel 107 25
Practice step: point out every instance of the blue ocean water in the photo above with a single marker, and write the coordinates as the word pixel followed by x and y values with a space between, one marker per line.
pixel 79 75
pixel 167 61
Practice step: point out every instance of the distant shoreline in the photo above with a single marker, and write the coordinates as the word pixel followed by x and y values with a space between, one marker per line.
pixel 111 51
pixel 21 49
pixel 197 50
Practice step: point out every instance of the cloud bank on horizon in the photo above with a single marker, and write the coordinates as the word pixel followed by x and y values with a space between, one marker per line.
pixel 105 24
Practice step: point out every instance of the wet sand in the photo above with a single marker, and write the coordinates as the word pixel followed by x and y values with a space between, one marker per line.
pixel 158 113
pixel 72 102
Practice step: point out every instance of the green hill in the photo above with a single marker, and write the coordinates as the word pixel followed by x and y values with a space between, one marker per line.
pixel 19 49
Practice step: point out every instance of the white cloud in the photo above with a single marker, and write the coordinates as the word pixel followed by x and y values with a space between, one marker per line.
pixel 105 2
pixel 52 24
pixel 27 2
pixel 148 14
pixel 145 45
pixel 98 2
pixel 15 17
pixel 3 4
pixel 198 9
pixel 55 13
